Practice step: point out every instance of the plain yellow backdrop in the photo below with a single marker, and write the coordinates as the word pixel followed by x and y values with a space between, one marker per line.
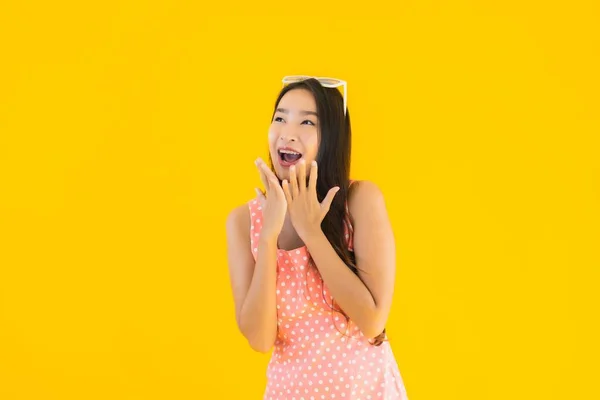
pixel 128 131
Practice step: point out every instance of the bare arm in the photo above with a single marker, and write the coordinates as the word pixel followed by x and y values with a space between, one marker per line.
pixel 253 284
pixel 366 298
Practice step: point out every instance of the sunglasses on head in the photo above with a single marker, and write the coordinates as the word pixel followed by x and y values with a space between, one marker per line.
pixel 325 82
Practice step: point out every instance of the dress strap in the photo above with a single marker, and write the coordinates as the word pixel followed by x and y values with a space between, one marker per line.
pixel 255 224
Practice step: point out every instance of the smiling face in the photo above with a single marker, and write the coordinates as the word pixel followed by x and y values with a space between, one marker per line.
pixel 294 132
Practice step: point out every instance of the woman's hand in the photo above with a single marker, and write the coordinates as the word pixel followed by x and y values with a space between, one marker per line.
pixel 305 210
pixel 273 203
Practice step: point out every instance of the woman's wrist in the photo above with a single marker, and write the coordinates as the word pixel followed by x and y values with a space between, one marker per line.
pixel 267 239
pixel 312 236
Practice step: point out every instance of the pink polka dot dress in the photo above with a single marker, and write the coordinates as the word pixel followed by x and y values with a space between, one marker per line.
pixel 317 353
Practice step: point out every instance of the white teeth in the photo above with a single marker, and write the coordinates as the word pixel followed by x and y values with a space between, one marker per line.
pixel 289 152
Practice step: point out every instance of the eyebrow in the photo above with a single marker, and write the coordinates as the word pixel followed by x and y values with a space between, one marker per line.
pixel 303 112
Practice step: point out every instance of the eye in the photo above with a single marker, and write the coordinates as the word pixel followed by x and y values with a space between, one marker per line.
pixel 278 119
pixel 308 120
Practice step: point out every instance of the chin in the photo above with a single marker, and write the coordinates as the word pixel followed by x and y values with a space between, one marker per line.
pixel 281 175
pixel 278 172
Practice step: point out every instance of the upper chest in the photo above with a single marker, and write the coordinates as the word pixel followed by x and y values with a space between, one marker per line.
pixel 288 238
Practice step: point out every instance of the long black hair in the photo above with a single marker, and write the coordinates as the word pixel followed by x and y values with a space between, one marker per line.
pixel 333 159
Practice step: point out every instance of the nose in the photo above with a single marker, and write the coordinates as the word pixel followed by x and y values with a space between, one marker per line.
pixel 288 134
pixel 283 138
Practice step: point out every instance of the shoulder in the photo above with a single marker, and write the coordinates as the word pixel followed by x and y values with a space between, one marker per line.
pixel 364 195
pixel 238 219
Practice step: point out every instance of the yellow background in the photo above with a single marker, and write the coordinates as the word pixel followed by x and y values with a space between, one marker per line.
pixel 128 131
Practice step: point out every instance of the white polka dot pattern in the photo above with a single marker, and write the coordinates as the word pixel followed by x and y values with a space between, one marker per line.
pixel 318 354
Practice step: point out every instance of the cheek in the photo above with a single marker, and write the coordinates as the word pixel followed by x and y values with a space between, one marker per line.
pixel 274 131
pixel 311 144
pixel 272 136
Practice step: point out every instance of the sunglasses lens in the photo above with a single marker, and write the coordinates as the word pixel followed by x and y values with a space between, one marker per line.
pixel 328 81
pixel 295 78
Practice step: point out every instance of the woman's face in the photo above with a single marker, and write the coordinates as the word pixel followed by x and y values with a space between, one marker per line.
pixel 293 134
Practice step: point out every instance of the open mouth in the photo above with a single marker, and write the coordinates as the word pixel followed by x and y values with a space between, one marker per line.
pixel 288 157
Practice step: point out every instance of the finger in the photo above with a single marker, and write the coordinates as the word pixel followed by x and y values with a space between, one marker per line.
pixel 302 176
pixel 275 186
pixel 294 181
pixel 286 191
pixel 312 179
pixel 269 174
pixel 259 164
pixel 260 195
pixel 326 203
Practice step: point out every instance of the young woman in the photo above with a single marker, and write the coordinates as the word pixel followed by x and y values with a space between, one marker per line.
pixel 312 259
